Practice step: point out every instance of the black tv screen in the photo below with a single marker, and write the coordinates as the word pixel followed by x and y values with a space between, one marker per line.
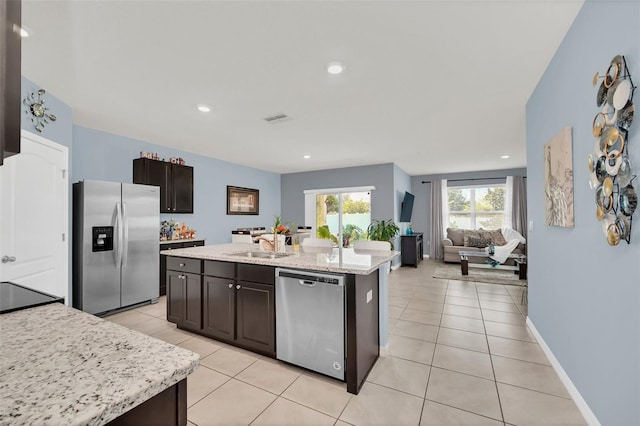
pixel 407 207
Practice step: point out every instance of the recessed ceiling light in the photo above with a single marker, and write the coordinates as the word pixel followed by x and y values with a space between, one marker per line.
pixel 504 157
pixel 335 68
pixel 306 157
pixel 204 108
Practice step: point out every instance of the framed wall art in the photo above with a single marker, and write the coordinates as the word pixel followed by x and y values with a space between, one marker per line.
pixel 558 180
pixel 243 200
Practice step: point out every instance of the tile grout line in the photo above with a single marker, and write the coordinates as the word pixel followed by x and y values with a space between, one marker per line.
pixel 493 369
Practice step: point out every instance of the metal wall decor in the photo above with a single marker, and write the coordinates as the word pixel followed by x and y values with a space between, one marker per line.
pixel 610 170
pixel 36 110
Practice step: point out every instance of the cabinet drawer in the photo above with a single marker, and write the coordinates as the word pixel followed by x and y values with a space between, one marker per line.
pixel 188 244
pixel 184 264
pixel 170 246
pixel 256 273
pixel 220 269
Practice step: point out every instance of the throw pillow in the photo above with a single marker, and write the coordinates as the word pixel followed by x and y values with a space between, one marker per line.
pixel 470 241
pixel 456 236
pixel 495 236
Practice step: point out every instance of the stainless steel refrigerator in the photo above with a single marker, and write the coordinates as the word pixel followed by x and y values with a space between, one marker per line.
pixel 115 245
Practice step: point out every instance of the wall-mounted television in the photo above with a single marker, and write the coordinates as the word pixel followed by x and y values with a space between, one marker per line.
pixel 407 207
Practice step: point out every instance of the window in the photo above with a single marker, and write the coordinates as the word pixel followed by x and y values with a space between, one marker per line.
pixel 350 210
pixel 476 207
pixel 339 214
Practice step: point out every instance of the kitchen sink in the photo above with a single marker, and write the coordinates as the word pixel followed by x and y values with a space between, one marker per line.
pixel 262 254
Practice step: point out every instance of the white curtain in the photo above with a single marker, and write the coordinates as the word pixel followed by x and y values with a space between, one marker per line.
pixel 508 203
pixel 436 231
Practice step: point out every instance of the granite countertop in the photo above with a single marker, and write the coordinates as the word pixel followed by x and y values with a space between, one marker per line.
pixel 184 240
pixel 341 260
pixel 63 366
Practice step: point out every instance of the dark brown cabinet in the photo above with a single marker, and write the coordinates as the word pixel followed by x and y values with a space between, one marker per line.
pixel 163 259
pixel 412 249
pixel 231 302
pixel 219 306
pixel 10 74
pixel 255 316
pixel 239 306
pixel 175 182
pixel 184 292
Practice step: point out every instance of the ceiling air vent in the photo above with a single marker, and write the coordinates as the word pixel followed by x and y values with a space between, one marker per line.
pixel 276 118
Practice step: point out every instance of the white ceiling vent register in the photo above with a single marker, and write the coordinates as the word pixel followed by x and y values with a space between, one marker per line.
pixel 276 118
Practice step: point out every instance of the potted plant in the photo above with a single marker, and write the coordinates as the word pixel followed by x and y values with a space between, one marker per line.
pixel 351 233
pixel 383 230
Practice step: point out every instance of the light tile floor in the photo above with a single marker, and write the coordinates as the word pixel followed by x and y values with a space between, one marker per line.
pixel 459 353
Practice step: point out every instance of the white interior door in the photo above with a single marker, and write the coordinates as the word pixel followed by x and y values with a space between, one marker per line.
pixel 34 216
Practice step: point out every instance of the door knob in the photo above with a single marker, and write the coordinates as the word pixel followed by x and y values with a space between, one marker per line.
pixel 7 259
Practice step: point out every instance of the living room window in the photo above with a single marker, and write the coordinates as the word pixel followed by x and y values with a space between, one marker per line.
pixel 476 207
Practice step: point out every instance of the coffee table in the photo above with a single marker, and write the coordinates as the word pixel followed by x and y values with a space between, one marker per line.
pixel 520 260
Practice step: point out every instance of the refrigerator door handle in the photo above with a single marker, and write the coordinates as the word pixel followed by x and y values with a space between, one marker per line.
pixel 118 232
pixel 125 235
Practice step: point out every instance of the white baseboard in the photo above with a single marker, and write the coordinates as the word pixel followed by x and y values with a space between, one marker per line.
pixel 588 415
pixel 396 266
pixel 384 350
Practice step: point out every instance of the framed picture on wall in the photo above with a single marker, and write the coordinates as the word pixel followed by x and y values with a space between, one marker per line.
pixel 243 200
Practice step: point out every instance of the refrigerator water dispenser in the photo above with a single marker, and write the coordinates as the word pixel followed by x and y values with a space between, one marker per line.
pixel 102 239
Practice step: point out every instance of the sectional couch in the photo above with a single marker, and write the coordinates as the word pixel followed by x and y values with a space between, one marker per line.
pixel 473 240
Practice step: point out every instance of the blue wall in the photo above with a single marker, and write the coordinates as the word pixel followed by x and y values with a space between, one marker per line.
pixel 584 296
pixel 383 198
pixel 422 204
pixel 103 156
pixel 379 175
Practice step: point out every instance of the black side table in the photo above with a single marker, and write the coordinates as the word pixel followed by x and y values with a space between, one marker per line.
pixel 411 247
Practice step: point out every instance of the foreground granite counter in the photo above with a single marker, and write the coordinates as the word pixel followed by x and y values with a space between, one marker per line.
pixel 340 260
pixel 61 366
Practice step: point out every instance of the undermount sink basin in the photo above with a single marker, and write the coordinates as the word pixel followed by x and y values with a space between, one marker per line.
pixel 261 254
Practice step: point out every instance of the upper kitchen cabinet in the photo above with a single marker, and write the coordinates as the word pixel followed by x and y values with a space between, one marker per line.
pixel 10 51
pixel 175 182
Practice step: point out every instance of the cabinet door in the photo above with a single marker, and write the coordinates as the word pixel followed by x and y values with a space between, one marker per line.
pixel 182 177
pixel 193 301
pixel 256 317
pixel 163 265
pixel 219 307
pixel 159 174
pixel 175 297
pixel 10 105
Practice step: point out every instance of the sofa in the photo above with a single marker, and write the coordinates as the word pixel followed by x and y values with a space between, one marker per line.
pixel 474 240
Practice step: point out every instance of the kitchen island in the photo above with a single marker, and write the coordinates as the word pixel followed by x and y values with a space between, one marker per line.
pixel 61 366
pixel 227 292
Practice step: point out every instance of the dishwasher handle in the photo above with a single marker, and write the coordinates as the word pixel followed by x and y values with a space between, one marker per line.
pixel 310 280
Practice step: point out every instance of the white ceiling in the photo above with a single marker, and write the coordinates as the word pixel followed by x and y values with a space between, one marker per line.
pixel 433 86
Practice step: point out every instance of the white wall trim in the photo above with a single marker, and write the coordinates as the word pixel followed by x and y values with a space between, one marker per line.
pixel 336 190
pixel 396 266
pixel 588 415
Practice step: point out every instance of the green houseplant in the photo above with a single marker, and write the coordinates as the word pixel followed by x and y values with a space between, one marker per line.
pixel 383 230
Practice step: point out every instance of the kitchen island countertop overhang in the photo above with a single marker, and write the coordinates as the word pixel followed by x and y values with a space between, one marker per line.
pixel 338 260
pixel 63 366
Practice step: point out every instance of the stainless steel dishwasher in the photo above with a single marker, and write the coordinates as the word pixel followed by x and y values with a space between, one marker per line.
pixel 310 320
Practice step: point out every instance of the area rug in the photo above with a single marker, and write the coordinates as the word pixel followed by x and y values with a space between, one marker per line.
pixel 492 276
